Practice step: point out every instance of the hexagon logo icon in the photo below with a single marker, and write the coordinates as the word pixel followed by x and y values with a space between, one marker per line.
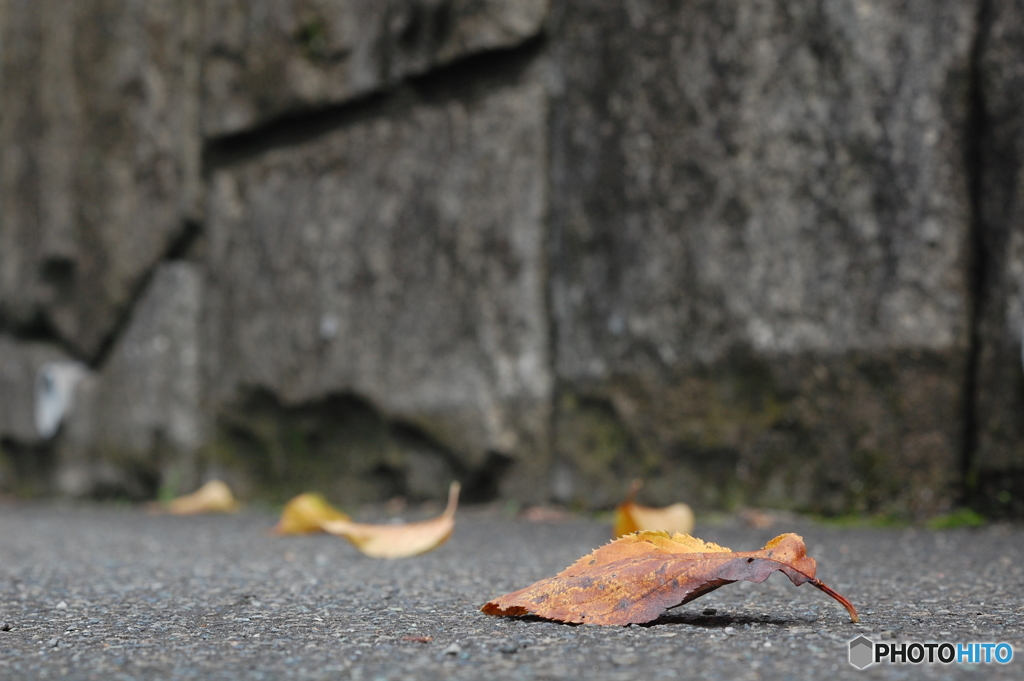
pixel 862 652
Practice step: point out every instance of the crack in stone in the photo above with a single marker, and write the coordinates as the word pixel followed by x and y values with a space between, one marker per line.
pixel 466 78
pixel 977 129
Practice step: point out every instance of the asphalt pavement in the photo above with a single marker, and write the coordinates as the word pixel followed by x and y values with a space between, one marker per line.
pixel 114 593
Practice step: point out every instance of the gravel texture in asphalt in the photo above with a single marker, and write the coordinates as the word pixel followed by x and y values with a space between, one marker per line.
pixel 106 592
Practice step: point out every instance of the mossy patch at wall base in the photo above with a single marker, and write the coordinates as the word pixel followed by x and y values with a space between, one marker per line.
pixel 828 434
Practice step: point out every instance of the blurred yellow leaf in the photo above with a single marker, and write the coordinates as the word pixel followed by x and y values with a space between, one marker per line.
pixel 305 513
pixel 213 497
pixel 631 517
pixel 399 541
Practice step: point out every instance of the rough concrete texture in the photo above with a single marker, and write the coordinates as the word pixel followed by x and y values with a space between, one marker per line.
pixel 268 58
pixel 20 363
pixel 398 259
pixel 777 186
pixel 998 475
pixel 340 446
pixel 88 593
pixel 853 432
pixel 139 420
pixel 26 452
pixel 100 156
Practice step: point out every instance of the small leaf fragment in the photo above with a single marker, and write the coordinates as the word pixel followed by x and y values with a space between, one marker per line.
pixel 399 541
pixel 757 519
pixel 306 513
pixel 636 578
pixel 632 517
pixel 213 497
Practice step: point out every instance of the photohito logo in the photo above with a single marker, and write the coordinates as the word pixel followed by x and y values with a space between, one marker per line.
pixel 864 652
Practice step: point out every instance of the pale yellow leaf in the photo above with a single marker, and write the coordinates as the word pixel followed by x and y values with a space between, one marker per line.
pixel 213 497
pixel 632 517
pixel 399 541
pixel 305 513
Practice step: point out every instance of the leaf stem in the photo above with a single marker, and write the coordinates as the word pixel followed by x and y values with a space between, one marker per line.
pixel 854 617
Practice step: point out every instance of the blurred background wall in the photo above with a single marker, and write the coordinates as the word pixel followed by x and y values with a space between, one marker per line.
pixel 758 253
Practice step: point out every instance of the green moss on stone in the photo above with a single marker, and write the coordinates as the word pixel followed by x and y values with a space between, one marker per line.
pixel 875 434
pixel 313 39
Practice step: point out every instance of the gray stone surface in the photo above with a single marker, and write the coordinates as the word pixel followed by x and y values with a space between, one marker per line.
pixel 398 259
pixel 100 156
pixel 760 241
pixel 998 474
pixel 138 421
pixel 102 593
pixel 25 454
pixel 19 365
pixel 763 253
pixel 267 58
pixel 340 446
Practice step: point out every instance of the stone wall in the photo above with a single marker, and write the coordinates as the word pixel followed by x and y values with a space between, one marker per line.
pixel 758 253
pixel 762 242
pixel 996 474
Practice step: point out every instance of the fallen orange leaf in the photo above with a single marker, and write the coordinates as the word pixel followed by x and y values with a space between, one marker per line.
pixel 632 517
pixel 636 578
pixel 213 497
pixel 305 513
pixel 399 541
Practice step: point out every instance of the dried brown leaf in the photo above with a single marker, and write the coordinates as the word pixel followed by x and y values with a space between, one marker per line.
pixel 306 513
pixel 213 497
pixel 636 578
pixel 632 517
pixel 545 514
pixel 399 541
pixel 761 520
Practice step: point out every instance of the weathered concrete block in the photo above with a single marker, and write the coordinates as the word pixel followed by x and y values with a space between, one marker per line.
pixel 20 365
pixel 997 476
pixel 138 421
pixel 774 183
pixel 99 155
pixel 37 384
pixel 340 446
pixel 848 432
pixel 266 58
pixel 398 259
